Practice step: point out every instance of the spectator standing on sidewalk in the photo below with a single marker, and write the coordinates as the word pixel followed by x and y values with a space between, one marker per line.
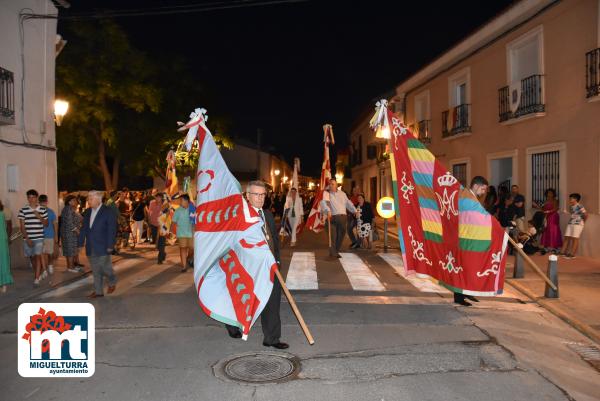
pixel 575 227
pixel 70 226
pixel 185 239
pixel 335 207
pixel 551 237
pixel 5 276
pixel 364 222
pixel 32 219
pixel 164 227
pixel 50 238
pixel 137 217
pixel 154 211
pixel 98 234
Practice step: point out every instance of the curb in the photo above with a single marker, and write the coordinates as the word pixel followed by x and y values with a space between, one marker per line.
pixel 549 305
pixel 558 311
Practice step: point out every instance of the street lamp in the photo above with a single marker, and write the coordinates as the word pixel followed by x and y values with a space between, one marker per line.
pixel 311 185
pixel 277 172
pixel 60 109
pixel 339 177
pixel 383 131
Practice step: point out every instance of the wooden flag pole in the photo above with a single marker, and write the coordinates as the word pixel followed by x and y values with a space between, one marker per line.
pixel 532 264
pixel 288 295
pixel 329 229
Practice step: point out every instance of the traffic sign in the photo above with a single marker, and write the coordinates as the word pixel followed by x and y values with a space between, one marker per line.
pixel 385 207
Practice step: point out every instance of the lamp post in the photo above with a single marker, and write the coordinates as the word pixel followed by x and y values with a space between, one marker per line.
pixel 339 177
pixel 275 173
pixel 60 109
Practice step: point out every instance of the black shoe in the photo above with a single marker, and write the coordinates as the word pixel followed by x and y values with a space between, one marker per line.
pixel 190 262
pixel 278 345
pixel 160 262
pixel 471 298
pixel 237 334
pixel 463 303
pixel 338 256
pixel 355 245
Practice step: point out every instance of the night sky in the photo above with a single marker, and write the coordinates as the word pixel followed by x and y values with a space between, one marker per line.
pixel 289 68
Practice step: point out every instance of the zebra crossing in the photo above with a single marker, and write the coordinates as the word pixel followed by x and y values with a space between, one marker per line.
pixel 358 272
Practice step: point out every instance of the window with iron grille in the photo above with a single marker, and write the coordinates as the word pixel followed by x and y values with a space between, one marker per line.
pixel 7 97
pixel 545 168
pixel 459 171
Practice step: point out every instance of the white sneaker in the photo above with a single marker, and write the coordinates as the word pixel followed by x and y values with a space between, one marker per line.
pixel 50 269
pixel 73 270
pixel 36 282
pixel 43 275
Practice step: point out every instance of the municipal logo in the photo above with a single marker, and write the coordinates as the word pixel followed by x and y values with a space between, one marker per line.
pixel 56 340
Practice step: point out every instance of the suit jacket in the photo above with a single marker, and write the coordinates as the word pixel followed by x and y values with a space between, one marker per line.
pixel 270 220
pixel 102 235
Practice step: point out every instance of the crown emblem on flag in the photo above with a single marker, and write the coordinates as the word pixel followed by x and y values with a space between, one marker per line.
pixel 446 180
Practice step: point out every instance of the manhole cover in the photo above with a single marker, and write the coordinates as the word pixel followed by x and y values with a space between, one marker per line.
pixel 259 368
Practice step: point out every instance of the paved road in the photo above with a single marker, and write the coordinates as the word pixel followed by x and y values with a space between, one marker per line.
pixel 379 336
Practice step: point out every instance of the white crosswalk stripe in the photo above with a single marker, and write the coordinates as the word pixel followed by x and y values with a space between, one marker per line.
pixel 361 277
pixel 88 281
pixel 422 284
pixel 302 273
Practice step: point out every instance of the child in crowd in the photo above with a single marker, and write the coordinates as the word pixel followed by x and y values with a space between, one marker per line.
pixel 575 226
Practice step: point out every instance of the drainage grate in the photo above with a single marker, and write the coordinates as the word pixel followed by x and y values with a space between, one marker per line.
pixel 259 368
pixel 588 353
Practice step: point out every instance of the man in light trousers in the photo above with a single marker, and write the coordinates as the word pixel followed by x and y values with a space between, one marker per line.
pixel 335 208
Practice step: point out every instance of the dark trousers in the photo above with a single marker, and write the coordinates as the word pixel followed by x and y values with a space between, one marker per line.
pixel 338 230
pixel 154 233
pixel 351 226
pixel 160 244
pixel 269 318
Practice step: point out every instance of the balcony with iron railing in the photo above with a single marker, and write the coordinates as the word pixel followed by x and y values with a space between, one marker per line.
pixel 525 98
pixel 7 97
pixel 456 120
pixel 592 73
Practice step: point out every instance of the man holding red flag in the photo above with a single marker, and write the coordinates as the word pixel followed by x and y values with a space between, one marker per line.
pixel 444 231
pixel 236 265
pixel 270 320
pixel 316 219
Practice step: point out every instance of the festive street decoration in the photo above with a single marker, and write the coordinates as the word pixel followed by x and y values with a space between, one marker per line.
pixel 233 265
pixel 171 175
pixel 444 231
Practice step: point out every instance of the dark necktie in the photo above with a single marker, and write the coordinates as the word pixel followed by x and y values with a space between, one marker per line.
pixel 266 231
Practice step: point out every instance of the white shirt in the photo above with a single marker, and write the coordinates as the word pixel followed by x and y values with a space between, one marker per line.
pixel 296 204
pixel 93 215
pixel 339 203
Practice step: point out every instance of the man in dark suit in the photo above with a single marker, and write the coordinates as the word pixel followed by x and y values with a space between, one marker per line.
pixel 99 235
pixel 270 320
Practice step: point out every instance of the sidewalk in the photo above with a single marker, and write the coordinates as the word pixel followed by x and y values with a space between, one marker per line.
pixel 23 290
pixel 578 283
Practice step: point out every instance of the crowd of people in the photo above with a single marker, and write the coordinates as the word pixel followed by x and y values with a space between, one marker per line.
pixel 152 216
pixel 542 232
pixel 104 223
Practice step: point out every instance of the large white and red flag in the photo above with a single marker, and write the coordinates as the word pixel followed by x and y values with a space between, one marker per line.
pixel 316 220
pixel 233 266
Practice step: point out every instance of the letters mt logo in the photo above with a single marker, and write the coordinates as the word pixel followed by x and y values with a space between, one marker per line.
pixel 56 340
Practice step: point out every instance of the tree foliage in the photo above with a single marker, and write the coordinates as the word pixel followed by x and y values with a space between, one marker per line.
pixel 123 105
